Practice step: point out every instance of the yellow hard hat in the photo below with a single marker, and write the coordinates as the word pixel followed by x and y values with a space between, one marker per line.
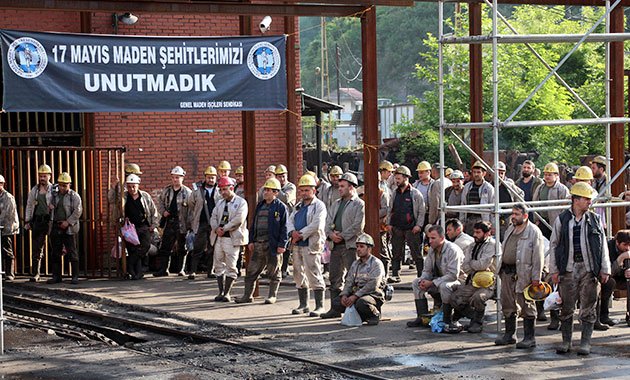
pixel 582 189
pixel 537 293
pixel 64 178
pixel 599 160
pixel 311 173
pixel 132 169
pixel 402 169
pixel 224 165
pixel 273 184
pixel 386 165
pixel 448 172
pixel 281 169
pixel 335 170
pixel 271 169
pixel 210 170
pixel 44 169
pixel 551 168
pixel 480 165
pixel 307 180
pixel 483 279
pixel 584 173
pixel 423 165
pixel 239 170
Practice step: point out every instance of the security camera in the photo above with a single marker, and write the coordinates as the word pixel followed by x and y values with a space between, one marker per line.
pixel 128 18
pixel 265 24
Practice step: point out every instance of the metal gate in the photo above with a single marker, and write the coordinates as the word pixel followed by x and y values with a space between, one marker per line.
pixel 93 171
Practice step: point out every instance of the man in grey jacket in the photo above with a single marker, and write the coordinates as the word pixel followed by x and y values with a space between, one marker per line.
pixel 551 189
pixel 67 210
pixel 442 273
pixel 344 224
pixel 520 265
pixel 11 223
pixel 476 192
pixel 405 221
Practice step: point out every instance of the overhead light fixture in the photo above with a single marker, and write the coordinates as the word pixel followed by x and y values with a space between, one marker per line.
pixel 265 24
pixel 125 18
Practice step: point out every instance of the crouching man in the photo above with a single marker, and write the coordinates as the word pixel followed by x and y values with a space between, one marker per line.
pixel 442 273
pixel 363 286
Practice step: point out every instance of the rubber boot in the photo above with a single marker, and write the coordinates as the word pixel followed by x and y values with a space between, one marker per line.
pixel 139 269
pixel 332 313
pixel 229 282
pixel 585 340
pixel 604 311
pixel 37 272
pixel 422 308
pixel 194 264
pixel 220 280
pixel 598 325
pixel 8 269
pixel 540 311
pixel 319 303
pixel 303 306
pixel 56 273
pixel 273 292
pixel 476 323
pixel 566 327
pixel 248 294
pixel 211 264
pixel 510 329
pixel 395 278
pixel 555 320
pixel 450 327
pixel 529 329
pixel 74 270
pixel 164 263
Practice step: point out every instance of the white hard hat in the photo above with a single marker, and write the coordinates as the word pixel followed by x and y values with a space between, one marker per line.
pixel 1 178
pixel 133 179
pixel 177 170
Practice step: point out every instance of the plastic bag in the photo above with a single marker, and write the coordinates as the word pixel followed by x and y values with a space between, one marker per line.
pixel 351 317
pixel 553 301
pixel 325 258
pixel 437 322
pixel 117 252
pixel 128 231
pixel 190 241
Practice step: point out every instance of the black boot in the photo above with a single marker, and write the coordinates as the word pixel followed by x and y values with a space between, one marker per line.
pixel 566 327
pixel 74 270
pixel 510 329
pixel 8 269
pixel 318 294
pixel 529 330
pixel 332 313
pixel 220 280
pixel 303 306
pixel 194 264
pixel 598 325
pixel 164 263
pixel 540 311
pixel 555 320
pixel 476 323
pixel 604 311
pixel 450 327
pixel 248 294
pixel 139 269
pixel 229 281
pixel 585 341
pixel 37 270
pixel 422 308
pixel 56 273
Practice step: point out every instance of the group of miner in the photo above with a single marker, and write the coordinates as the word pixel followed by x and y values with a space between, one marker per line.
pixel 459 265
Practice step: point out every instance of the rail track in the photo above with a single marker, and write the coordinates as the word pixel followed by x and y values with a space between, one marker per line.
pixel 128 330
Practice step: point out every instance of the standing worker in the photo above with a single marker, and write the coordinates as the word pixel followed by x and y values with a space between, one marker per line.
pixel 10 221
pixel 476 192
pixel 173 207
pixel 551 189
pixel 239 176
pixel 578 261
pixel 287 195
pixel 270 172
pixel 37 216
pixel 67 210
pixel 223 169
pixel 331 193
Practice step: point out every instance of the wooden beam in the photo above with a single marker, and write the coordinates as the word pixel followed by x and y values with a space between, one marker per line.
pixel 291 119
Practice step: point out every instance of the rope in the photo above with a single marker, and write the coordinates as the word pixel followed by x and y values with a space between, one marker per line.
pixel 369 150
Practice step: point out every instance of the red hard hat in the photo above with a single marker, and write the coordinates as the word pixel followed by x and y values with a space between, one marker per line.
pixel 225 181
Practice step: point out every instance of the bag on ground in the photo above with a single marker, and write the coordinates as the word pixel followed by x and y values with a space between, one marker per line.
pixel 351 317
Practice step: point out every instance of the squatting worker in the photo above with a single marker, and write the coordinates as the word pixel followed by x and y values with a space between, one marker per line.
pixel 440 276
pixel 344 224
pixel 405 221
pixel 578 260
pixel 228 225
pixel 173 208
pixel 268 239
pixel 520 265
pixel 139 208
pixel 364 284
pixel 10 221
pixel 201 205
pixel 306 228
pixel 37 216
pixel 66 211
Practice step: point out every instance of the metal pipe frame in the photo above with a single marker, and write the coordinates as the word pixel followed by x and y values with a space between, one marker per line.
pixel 539 123
pixel 537 38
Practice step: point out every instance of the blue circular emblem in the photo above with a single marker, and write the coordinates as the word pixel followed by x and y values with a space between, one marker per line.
pixel 264 60
pixel 27 57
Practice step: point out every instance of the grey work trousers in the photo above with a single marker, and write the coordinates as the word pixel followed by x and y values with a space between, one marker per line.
pixel 513 301
pixel 579 285
pixel 444 291
pixel 262 258
pixel 367 306
pixel 341 258
pixel 467 294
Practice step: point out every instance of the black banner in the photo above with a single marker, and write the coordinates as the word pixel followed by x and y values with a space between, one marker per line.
pixel 103 73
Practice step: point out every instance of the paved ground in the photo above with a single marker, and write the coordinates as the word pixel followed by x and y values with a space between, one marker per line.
pixel 389 349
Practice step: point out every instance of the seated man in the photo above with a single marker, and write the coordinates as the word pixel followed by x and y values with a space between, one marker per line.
pixel 441 274
pixel 363 284
pixel 478 258
pixel 455 233
pixel 619 252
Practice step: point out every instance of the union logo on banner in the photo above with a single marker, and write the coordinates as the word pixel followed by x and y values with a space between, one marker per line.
pixel 27 57
pixel 263 60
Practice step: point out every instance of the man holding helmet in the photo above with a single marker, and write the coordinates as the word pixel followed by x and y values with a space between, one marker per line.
pixel 578 261
pixel 344 224
pixel 173 208
pixel 268 239
pixel 37 216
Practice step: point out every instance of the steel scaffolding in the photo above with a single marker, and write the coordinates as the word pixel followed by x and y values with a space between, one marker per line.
pixel 604 199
